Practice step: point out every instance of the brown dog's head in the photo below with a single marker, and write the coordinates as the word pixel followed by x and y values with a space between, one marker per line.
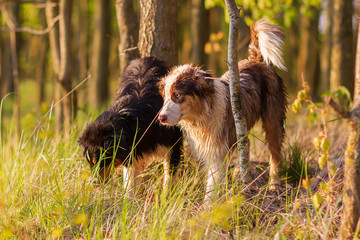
pixel 187 91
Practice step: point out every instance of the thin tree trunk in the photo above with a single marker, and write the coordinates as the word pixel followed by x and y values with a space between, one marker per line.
pixel 51 11
pixel 326 49
pixel 351 197
pixel 15 73
pixel 65 81
pixel 240 121
pixel 215 18
pixel 184 30
pixel 99 84
pixel 40 70
pixel 308 59
pixel 6 72
pixel 3 67
pixel 14 66
pixel 342 57
pixel 244 40
pixel 199 31
pixel 83 38
pixel 158 33
pixel 129 32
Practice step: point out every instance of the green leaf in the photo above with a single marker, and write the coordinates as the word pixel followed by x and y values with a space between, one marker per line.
pixel 324 187
pixel 324 94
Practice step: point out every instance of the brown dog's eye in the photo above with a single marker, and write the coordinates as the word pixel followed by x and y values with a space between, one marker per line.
pixel 176 97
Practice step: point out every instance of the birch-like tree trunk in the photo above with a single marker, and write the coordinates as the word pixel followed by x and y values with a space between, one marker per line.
pixel 158 31
pixel 351 197
pixel 129 32
pixel 240 121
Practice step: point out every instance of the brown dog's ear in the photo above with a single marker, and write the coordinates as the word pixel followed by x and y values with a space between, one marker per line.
pixel 204 83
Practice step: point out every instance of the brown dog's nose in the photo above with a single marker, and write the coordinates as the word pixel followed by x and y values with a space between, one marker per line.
pixel 162 118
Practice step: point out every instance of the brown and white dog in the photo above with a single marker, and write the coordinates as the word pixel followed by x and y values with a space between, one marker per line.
pixel 200 104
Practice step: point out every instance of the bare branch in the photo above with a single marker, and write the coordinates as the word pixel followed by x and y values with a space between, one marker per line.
pixel 129 50
pixel 337 108
pixel 34 31
pixel 6 15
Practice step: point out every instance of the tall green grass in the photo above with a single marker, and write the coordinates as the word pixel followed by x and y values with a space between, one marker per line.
pixel 47 191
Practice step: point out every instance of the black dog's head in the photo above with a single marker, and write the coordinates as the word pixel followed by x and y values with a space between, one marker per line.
pixel 108 141
pixel 103 142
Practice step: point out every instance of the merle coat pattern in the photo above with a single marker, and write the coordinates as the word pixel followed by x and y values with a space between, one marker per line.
pixel 200 104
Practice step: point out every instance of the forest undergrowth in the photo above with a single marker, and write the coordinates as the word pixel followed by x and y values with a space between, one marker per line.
pixel 47 190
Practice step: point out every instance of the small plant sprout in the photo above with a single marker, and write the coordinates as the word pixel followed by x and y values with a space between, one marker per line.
pixel 320 142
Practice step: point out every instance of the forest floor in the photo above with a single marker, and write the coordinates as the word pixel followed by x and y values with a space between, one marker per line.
pixel 47 190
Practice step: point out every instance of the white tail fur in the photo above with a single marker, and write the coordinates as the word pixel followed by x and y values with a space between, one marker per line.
pixel 267 39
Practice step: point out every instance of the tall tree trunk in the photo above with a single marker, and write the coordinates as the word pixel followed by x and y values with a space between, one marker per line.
pixel 291 51
pixel 158 33
pixel 51 11
pixel 308 59
pixel 240 121
pixel 244 40
pixel 40 70
pixel 351 198
pixel 199 31
pixel 83 38
pixel 99 83
pixel 184 31
pixel 65 8
pixel 342 54
pixel 215 18
pixel 3 67
pixel 129 32
pixel 326 49
pixel 14 66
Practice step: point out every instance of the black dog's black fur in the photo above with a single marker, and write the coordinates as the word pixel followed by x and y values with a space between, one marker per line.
pixel 136 105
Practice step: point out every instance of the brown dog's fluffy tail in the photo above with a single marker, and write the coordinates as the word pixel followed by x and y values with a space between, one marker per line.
pixel 266 42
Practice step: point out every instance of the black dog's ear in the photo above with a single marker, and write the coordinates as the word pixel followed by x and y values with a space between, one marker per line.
pixel 161 86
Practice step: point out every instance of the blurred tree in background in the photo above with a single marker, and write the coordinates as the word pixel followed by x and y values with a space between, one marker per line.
pixel 129 31
pixel 102 36
pixel 99 82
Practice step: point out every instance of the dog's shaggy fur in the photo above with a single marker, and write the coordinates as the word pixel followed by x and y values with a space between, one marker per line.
pixel 200 103
pixel 125 133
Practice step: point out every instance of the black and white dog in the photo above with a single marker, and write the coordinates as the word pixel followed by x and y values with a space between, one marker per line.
pixel 126 133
